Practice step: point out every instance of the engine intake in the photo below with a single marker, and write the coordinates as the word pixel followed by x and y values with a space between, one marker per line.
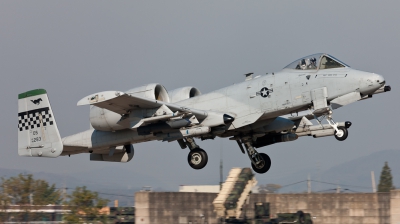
pixel 183 93
pixel 105 120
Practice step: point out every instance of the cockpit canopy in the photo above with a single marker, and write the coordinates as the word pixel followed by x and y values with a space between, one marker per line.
pixel 316 61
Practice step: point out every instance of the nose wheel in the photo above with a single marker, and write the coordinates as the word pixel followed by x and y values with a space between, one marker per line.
pixel 197 158
pixel 341 134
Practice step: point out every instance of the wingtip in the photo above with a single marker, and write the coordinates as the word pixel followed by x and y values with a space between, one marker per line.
pixel 83 101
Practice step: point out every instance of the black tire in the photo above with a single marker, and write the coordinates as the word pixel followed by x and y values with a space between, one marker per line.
pixel 345 134
pixel 197 159
pixel 265 167
pixel 129 149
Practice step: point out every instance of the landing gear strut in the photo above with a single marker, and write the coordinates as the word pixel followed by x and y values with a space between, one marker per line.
pixel 341 133
pixel 260 162
pixel 197 157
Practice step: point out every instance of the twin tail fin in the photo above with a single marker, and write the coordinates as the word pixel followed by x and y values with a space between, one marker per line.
pixel 38 135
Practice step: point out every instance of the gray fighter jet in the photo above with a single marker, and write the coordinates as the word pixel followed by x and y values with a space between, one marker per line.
pixel 254 113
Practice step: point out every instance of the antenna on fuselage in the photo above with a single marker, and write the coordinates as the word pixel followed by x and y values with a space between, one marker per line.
pixel 249 76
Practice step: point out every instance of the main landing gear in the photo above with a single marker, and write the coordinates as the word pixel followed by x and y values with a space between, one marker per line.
pixel 260 162
pixel 197 157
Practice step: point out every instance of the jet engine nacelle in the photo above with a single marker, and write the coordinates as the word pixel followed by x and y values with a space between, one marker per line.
pixel 183 93
pixel 125 156
pixel 105 120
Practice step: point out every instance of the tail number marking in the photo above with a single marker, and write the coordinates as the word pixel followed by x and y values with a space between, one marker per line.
pixel 36 139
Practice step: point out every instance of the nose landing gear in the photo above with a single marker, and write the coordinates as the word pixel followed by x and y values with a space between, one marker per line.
pixel 341 133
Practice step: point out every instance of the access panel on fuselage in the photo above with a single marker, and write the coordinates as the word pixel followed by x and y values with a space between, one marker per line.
pixel 282 93
pixel 300 86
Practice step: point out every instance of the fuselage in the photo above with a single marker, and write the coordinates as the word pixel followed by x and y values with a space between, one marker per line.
pixel 288 91
pixel 257 101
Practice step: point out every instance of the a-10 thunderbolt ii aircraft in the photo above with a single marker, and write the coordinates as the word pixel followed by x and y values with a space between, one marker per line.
pixel 251 113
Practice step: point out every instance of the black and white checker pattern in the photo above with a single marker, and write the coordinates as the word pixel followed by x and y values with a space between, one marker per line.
pixel 33 118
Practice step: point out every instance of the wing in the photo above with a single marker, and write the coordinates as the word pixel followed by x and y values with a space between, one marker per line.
pixel 123 104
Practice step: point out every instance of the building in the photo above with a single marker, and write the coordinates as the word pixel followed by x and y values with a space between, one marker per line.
pixel 325 208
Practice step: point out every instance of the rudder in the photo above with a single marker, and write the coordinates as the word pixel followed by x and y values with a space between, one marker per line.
pixel 38 134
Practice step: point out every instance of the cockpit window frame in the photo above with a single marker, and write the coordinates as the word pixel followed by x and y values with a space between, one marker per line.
pixel 301 65
pixel 337 60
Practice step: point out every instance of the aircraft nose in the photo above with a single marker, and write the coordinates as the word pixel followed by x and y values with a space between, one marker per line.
pixel 379 79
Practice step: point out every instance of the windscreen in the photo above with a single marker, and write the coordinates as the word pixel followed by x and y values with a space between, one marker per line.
pixel 306 63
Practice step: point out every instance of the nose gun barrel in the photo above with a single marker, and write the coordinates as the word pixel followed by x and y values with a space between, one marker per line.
pixel 383 89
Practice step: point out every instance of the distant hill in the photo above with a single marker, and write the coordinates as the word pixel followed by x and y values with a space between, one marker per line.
pixel 358 171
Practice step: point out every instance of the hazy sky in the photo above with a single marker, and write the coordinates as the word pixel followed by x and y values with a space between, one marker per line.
pixel 75 48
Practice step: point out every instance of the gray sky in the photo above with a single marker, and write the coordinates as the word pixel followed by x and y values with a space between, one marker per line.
pixel 75 48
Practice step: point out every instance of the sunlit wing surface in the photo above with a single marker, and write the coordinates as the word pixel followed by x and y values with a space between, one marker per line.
pixel 123 103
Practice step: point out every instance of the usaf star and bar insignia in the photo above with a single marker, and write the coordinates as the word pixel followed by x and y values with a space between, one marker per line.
pixel 264 92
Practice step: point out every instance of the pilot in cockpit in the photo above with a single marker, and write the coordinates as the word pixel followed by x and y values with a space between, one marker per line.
pixel 302 64
pixel 309 63
pixel 313 64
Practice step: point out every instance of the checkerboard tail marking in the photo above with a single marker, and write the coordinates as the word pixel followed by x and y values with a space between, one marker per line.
pixel 34 118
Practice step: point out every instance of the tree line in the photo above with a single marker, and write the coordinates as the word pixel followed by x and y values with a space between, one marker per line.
pixel 27 192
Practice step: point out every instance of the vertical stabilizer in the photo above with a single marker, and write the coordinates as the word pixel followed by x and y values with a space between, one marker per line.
pixel 37 129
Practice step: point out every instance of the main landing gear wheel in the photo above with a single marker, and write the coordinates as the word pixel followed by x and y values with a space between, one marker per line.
pixel 342 134
pixel 197 158
pixel 264 165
